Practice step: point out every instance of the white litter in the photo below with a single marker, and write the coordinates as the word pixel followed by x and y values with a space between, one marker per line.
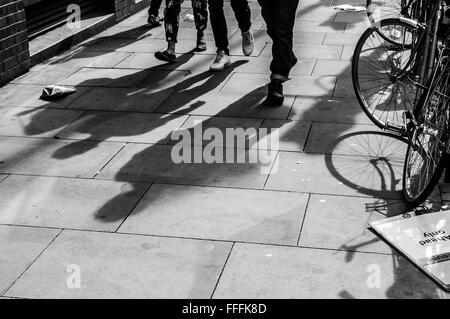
pixel 189 17
pixel 350 8
pixel 56 91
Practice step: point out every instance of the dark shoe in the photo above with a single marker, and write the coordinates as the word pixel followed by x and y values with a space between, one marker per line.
pixel 275 95
pixel 166 56
pixel 153 21
pixel 201 42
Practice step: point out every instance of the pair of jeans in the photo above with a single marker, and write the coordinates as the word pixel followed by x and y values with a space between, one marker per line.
pixel 172 17
pixel 154 7
pixel 219 23
pixel 279 16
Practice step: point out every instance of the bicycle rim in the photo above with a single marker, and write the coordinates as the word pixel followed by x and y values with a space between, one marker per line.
pixel 426 157
pixel 380 55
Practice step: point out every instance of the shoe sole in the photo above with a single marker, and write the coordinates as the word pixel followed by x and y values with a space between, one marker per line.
pixel 197 49
pixel 221 69
pixel 249 52
pixel 164 59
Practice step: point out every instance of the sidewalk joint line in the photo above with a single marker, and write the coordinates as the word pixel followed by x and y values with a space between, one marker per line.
pixel 304 218
pixel 223 269
pixel 134 206
pixel 33 261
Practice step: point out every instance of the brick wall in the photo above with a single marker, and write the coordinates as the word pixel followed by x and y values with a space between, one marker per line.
pixel 14 49
pixel 14 54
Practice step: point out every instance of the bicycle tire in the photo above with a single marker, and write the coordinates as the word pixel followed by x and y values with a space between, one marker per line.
pixel 366 64
pixel 432 151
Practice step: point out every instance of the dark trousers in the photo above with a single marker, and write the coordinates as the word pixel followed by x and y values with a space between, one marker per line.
pixel 172 17
pixel 280 19
pixel 154 7
pixel 219 24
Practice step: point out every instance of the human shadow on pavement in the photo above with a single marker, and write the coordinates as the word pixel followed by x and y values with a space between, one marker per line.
pixel 95 120
pixel 140 168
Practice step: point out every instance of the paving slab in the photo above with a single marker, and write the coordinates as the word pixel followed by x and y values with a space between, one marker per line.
pixel 316 12
pixel 331 110
pixel 292 134
pixel 154 163
pixel 190 34
pixel 332 67
pixel 309 37
pixel 342 222
pixel 20 247
pixel 298 85
pixel 239 104
pixel 106 77
pixel 357 28
pixel 203 81
pixel 355 140
pixel 121 99
pixel 67 202
pixel 185 62
pixel 344 88
pixel 340 39
pixel 207 124
pixel 52 74
pixel 303 51
pixel 124 266
pixel 149 45
pixel 319 26
pixel 35 122
pixel 54 157
pixel 337 175
pixel 262 65
pixel 261 271
pixel 347 52
pixel 124 127
pixel 27 95
pixel 218 213
pixel 130 32
pixel 79 58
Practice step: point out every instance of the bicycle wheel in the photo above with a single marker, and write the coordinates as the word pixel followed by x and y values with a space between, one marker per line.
pixel 378 10
pixel 382 72
pixel 426 156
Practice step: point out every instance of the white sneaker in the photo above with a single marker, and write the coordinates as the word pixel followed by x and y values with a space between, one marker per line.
pixel 221 62
pixel 248 42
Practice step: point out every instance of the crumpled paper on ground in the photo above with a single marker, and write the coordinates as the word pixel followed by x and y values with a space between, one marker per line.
pixel 350 8
pixel 189 17
pixel 53 92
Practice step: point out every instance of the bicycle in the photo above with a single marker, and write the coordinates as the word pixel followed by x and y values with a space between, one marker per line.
pixel 400 76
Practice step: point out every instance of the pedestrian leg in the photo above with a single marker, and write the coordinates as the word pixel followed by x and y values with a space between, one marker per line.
pixel 200 8
pixel 171 24
pixel 153 13
pixel 219 26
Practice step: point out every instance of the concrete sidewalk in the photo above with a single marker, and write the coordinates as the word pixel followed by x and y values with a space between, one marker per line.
pixel 89 190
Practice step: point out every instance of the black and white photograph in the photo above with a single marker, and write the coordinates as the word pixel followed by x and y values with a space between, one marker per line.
pixel 223 154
